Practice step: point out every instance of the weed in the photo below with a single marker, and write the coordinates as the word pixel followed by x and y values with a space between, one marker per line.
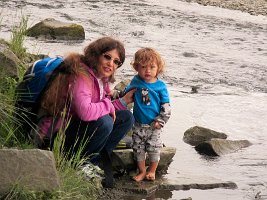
pixel 18 37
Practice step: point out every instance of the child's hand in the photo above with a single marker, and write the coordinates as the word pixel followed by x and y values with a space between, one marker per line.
pixel 157 125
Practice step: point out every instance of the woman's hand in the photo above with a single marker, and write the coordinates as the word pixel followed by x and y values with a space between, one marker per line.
pixel 114 94
pixel 129 96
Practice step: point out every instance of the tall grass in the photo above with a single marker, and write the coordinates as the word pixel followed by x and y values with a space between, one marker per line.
pixel 9 125
pixel 18 37
pixel 69 166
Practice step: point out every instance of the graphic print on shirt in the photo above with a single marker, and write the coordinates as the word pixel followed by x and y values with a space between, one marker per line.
pixel 145 96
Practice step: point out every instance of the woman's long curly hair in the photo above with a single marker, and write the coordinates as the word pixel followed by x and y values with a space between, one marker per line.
pixel 57 94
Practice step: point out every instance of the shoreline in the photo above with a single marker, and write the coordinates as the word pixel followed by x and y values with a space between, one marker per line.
pixel 257 7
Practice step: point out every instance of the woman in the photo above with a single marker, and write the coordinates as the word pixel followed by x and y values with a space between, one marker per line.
pixel 83 80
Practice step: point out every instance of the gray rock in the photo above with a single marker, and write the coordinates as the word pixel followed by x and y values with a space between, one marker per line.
pixel 196 135
pixel 33 169
pixel 181 182
pixel 120 87
pixel 131 186
pixel 119 90
pixel 123 158
pixel 217 147
pixel 189 54
pixel 186 182
pixel 9 61
pixel 54 29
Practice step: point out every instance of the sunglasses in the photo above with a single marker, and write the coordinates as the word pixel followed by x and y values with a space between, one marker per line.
pixel 115 61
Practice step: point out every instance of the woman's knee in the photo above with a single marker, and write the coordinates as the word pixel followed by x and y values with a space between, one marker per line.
pixel 125 116
pixel 105 123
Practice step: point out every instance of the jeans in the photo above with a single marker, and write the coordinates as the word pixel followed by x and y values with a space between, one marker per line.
pixel 101 135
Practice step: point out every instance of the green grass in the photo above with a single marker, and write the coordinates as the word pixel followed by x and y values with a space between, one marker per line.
pixel 72 182
pixel 9 135
pixel 18 37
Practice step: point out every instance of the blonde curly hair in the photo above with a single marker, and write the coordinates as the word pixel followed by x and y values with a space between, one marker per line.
pixel 146 56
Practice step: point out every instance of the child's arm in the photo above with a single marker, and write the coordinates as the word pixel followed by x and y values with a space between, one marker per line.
pixel 163 116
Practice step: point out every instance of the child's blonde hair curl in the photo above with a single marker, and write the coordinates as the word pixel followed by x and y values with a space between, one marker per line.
pixel 146 56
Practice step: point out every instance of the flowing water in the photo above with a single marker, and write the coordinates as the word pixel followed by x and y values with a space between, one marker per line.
pixel 222 52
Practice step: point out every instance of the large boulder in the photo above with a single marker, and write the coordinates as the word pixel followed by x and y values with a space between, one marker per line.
pixel 217 147
pixel 196 135
pixel 54 29
pixel 32 169
pixel 124 159
pixel 9 62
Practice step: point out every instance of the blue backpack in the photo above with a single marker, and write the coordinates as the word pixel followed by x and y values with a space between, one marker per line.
pixel 29 92
pixel 36 78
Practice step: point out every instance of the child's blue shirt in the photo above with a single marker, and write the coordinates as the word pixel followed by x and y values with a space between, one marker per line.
pixel 147 108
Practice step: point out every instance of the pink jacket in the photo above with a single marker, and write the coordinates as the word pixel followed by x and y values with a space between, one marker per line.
pixel 86 103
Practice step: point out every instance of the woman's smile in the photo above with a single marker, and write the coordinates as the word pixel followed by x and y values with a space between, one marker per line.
pixel 108 63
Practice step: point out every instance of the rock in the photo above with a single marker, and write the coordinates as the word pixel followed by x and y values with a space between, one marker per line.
pixel 217 147
pixel 33 169
pixel 166 155
pixel 186 182
pixel 126 142
pixel 194 89
pixel 120 87
pixel 9 61
pixel 196 135
pixel 131 186
pixel 180 182
pixel 123 158
pixel 119 91
pixel 189 54
pixel 54 29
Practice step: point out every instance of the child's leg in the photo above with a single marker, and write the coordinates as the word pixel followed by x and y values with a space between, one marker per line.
pixel 151 174
pixel 139 152
pixel 142 171
pixel 153 147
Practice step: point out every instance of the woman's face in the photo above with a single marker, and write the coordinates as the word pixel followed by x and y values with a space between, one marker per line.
pixel 108 63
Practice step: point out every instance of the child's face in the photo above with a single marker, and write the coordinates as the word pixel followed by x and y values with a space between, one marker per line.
pixel 148 72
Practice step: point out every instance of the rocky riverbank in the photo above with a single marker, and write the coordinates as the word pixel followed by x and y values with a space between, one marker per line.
pixel 253 7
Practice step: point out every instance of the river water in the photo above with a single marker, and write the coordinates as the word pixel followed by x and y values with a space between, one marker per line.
pixel 222 52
